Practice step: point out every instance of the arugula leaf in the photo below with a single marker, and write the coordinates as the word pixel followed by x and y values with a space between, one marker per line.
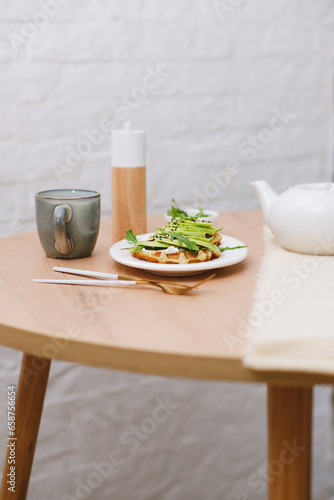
pixel 131 238
pixel 136 249
pixel 201 213
pixel 231 248
pixel 182 239
pixel 176 211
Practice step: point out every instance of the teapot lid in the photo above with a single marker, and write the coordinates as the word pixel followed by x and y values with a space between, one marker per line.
pixel 315 186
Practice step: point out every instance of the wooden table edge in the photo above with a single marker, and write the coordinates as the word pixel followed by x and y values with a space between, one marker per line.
pixel 169 364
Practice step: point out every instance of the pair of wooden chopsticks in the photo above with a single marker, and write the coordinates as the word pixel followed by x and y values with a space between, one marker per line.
pixel 106 279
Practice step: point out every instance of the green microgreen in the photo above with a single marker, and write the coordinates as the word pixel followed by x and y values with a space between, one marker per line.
pixel 201 213
pixel 175 210
pixel 231 248
pixel 130 237
pixel 181 239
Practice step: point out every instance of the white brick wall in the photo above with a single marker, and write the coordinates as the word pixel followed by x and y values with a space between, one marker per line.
pixel 224 67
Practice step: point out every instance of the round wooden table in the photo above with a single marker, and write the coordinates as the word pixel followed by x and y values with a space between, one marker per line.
pixel 146 331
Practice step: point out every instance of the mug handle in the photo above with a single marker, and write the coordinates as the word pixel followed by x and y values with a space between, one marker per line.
pixel 61 215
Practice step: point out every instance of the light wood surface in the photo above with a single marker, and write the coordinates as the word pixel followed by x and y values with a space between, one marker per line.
pixel 141 330
pixel 128 199
pixel 199 335
pixel 29 404
pixel 289 443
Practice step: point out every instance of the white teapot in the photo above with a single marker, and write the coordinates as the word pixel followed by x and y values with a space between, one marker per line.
pixel 301 218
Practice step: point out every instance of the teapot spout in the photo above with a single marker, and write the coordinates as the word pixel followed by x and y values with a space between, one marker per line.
pixel 265 194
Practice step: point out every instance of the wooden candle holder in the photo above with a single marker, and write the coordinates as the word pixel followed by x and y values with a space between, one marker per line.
pixel 128 211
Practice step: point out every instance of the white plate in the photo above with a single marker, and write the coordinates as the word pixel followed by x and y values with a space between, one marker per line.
pixel 120 253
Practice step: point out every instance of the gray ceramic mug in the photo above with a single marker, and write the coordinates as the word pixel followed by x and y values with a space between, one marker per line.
pixel 68 222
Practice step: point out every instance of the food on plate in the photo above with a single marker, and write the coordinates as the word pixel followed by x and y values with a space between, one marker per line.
pixel 185 240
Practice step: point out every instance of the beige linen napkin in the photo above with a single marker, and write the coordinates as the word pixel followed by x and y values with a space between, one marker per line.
pixel 291 325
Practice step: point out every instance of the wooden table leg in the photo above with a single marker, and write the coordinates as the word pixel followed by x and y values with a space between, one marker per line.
pixel 289 443
pixel 29 405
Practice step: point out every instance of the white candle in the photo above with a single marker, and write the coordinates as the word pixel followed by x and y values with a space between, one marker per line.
pixel 128 147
